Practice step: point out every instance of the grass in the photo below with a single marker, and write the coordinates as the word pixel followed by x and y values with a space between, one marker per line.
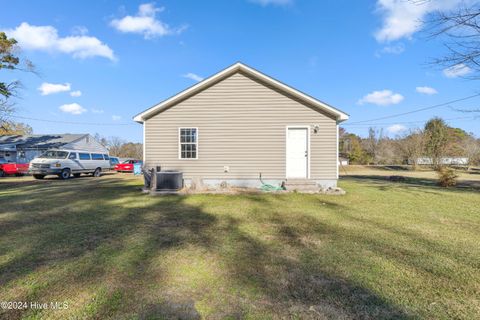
pixel 405 250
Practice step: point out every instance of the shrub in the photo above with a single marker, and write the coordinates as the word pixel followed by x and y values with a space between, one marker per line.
pixel 447 177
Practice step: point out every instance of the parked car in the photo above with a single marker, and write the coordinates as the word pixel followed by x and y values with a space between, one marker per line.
pixel 127 165
pixel 113 162
pixel 64 163
pixel 12 168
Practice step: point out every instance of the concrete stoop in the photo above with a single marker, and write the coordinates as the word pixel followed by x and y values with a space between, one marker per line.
pixel 302 185
pixel 309 186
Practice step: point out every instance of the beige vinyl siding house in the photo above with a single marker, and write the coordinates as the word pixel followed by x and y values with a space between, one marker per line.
pixel 239 123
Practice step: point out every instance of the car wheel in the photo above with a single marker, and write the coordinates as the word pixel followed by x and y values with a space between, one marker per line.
pixel 65 174
pixel 76 175
pixel 2 174
pixel 97 173
pixel 38 176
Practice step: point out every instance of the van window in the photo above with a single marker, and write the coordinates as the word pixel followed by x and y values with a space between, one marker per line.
pixel 106 157
pixel 52 154
pixel 72 156
pixel 97 156
pixel 84 156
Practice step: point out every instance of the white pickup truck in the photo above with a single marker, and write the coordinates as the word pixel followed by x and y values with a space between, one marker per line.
pixel 64 163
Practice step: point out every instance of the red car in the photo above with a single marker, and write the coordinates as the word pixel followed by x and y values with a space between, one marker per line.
pixel 127 165
pixel 9 168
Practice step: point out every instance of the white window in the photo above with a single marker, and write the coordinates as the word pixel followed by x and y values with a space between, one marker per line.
pixel 188 143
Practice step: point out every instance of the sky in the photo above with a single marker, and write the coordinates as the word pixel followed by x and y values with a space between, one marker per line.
pixel 99 63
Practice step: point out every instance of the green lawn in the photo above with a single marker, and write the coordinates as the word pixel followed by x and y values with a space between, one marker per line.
pixel 384 251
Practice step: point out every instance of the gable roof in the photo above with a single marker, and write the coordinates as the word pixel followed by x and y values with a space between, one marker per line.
pixel 41 141
pixel 239 67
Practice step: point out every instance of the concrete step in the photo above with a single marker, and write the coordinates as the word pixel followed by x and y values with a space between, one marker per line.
pixel 302 190
pixel 300 182
pixel 301 185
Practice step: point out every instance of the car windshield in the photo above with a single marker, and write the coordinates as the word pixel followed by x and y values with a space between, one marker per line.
pixel 54 155
pixel 2 160
pixel 127 161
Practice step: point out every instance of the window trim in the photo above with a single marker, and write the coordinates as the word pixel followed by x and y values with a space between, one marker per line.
pixel 180 143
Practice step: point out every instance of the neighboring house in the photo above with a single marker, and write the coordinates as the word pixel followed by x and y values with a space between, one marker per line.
pixel 239 123
pixel 342 161
pixel 445 160
pixel 22 149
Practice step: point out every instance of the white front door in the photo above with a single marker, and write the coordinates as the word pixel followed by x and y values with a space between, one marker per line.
pixel 297 153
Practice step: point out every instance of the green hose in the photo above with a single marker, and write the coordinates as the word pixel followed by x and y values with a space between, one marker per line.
pixel 268 187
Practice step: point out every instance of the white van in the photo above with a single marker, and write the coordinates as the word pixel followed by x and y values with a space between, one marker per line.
pixel 64 163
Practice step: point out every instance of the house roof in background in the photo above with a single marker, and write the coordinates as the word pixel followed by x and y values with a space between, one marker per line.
pixel 239 67
pixel 41 141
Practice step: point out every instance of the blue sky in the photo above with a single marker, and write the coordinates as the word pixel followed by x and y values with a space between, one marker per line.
pixel 105 61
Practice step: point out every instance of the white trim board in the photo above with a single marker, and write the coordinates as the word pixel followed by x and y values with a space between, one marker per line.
pixel 145 115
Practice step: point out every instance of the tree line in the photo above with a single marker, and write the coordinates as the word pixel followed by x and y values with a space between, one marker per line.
pixel 436 140
pixel 121 148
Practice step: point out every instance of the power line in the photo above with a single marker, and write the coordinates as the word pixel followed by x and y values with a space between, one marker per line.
pixel 73 122
pixel 417 110
pixel 405 122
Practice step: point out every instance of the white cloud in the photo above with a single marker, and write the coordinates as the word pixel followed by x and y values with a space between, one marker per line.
pixel 80 30
pixel 401 18
pixel 51 88
pixel 145 23
pixel 395 49
pixel 45 38
pixel 97 111
pixel 426 90
pixel 116 118
pixel 396 128
pixel 73 108
pixel 192 76
pixel 458 70
pixel 76 93
pixel 273 2
pixel 381 98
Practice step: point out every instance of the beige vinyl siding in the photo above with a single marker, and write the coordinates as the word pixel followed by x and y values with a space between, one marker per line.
pixel 241 124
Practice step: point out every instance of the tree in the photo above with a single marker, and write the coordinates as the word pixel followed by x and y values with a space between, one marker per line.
pixel 114 145
pixel 411 146
pixel 131 150
pixel 460 31
pixel 372 144
pixel 10 60
pixel 120 148
pixel 471 149
pixel 15 128
pixel 387 152
pixel 456 137
pixel 436 140
pixel 350 146
pixel 101 139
